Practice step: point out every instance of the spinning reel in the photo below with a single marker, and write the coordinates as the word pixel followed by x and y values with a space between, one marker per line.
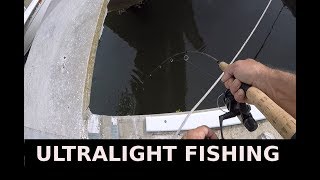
pixel 241 110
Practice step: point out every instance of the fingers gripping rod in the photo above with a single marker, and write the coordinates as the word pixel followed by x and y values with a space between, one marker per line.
pixel 282 121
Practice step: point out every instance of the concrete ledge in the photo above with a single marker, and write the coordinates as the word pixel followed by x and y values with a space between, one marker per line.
pixel 134 127
pixel 30 133
pixel 57 72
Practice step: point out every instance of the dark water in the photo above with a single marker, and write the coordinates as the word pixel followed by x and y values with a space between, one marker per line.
pixel 135 42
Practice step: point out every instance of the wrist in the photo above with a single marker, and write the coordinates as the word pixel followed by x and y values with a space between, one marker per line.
pixel 262 77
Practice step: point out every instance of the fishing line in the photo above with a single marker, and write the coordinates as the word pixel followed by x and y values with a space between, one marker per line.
pixel 267 37
pixel 219 78
pixel 218 103
pixel 199 69
pixel 171 59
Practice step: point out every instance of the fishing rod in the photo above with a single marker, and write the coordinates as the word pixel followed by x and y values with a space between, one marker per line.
pixel 284 123
pixel 219 78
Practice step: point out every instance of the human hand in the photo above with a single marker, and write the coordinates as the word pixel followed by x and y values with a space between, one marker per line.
pixel 201 132
pixel 247 71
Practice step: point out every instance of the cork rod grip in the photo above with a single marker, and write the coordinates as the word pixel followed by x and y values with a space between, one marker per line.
pixel 223 65
pixel 282 121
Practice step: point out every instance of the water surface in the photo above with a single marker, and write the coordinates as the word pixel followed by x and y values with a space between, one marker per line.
pixel 136 41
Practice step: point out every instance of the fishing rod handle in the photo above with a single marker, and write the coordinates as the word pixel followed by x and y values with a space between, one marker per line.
pixel 282 121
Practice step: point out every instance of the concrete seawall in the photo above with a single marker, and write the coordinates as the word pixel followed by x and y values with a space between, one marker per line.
pixel 57 74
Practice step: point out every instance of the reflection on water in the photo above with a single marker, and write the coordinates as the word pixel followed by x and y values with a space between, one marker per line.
pixel 136 41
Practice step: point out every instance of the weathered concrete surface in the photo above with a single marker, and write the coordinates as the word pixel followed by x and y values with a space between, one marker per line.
pixel 27 3
pixel 35 134
pixel 61 58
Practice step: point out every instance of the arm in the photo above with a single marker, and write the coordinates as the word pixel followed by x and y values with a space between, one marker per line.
pixel 280 86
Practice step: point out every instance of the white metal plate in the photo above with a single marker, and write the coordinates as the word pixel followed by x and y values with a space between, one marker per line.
pixel 209 118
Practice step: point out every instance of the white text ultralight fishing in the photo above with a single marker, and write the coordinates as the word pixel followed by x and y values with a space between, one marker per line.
pixel 157 153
